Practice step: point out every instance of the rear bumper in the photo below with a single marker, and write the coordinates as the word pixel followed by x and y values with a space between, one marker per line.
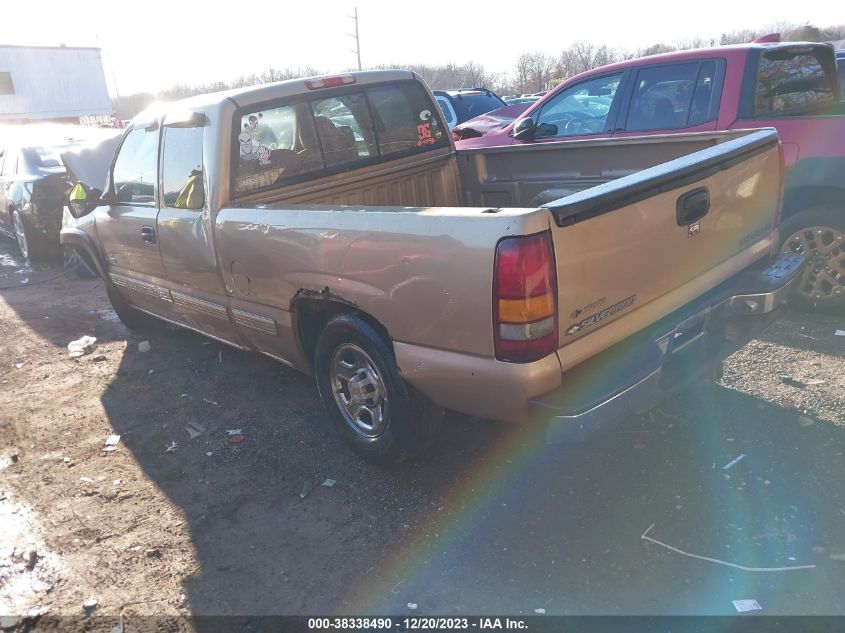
pixel 636 374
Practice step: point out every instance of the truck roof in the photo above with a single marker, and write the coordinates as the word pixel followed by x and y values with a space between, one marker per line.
pixel 697 53
pixel 261 93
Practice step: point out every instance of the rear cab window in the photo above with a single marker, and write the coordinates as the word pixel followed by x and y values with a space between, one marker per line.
pixel 792 81
pixel 311 136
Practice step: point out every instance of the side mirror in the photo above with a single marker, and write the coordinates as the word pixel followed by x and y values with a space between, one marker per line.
pixel 524 129
pixel 83 199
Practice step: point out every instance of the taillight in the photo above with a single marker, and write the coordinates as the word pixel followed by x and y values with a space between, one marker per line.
pixel 525 299
pixel 782 164
pixel 330 82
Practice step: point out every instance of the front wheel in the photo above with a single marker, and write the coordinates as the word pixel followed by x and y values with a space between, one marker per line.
pixel 819 235
pixel 372 408
pixel 130 317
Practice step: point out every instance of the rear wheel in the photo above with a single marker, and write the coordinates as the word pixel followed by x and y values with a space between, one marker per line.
pixel 372 408
pixel 819 235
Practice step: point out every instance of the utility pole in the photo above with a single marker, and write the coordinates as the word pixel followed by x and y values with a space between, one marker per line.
pixel 357 50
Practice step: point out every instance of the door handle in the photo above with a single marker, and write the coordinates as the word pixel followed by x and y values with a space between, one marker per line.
pixel 692 206
pixel 148 235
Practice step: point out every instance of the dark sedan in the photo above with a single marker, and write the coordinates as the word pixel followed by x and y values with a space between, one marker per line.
pixel 34 184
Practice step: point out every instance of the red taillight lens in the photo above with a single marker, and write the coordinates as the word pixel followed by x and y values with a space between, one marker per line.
pixel 525 299
pixel 330 82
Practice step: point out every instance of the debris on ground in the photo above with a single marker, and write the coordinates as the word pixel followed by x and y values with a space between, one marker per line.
pixel 800 384
pixel 306 489
pixel 644 536
pixel 840 332
pixel 207 401
pixel 81 346
pixel 153 552
pixel 540 611
pixel 837 557
pixel 412 606
pixel 144 346
pixel 31 559
pixel 328 483
pixel 112 440
pixel 195 429
pixel 236 439
pixel 86 480
pixel 747 605
pixel 18 365
pixel 99 358
pixel 170 448
pixel 90 604
pixel 734 461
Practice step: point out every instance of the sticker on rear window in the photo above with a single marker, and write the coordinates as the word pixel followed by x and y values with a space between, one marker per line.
pixel 601 316
pixel 424 136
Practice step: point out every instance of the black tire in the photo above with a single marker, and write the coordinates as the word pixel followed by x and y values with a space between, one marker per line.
pixel 410 422
pixel 816 291
pixel 29 245
pixel 76 266
pixel 129 316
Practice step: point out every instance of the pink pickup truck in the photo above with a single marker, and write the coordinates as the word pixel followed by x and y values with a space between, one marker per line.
pixel 790 86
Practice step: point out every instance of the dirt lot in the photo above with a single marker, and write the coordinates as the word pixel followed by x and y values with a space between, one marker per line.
pixel 492 520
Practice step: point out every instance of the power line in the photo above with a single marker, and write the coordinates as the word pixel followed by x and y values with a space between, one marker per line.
pixel 357 50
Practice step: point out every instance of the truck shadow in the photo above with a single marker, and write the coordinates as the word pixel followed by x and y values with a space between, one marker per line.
pixel 492 519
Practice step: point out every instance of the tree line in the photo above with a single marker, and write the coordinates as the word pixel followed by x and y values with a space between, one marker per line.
pixel 532 72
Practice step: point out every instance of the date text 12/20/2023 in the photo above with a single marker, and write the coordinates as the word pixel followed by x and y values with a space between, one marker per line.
pixel 417 624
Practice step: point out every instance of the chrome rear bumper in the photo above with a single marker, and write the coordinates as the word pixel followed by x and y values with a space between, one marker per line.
pixel 638 373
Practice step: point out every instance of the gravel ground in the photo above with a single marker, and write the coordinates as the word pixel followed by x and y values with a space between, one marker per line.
pixel 492 520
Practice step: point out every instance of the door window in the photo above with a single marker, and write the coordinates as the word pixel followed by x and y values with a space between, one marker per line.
pixel 181 167
pixel 706 97
pixel 134 173
pixel 662 97
pixel 579 109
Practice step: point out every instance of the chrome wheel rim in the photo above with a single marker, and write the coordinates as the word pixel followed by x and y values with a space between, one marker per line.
pixel 20 235
pixel 824 248
pixel 359 390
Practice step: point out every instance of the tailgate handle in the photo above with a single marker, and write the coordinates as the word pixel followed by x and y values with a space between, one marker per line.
pixel 692 206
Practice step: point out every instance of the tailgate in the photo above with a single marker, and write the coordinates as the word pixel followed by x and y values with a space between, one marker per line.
pixel 632 250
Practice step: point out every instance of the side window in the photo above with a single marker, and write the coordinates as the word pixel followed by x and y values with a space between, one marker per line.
pixel 790 80
pixel 181 167
pixel 134 173
pixel 705 98
pixel 275 145
pixel 345 129
pixel 579 109
pixel 404 119
pixel 662 97
pixel 448 111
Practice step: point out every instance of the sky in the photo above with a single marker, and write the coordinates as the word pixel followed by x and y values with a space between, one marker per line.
pixel 156 44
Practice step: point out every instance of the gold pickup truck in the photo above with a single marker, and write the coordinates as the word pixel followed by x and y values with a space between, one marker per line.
pixel 330 224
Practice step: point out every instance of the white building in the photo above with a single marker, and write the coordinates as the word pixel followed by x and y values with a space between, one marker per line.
pixel 52 83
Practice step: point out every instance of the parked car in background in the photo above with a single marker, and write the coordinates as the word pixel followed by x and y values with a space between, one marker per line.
pixel 840 65
pixel 791 86
pixel 464 104
pixel 34 183
pixel 510 100
pixel 493 120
